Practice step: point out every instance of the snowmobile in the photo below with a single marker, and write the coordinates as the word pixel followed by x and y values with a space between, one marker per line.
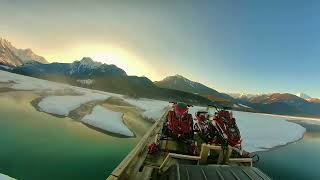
pixel 170 150
pixel 205 128
pixel 178 127
pixel 179 123
pixel 219 128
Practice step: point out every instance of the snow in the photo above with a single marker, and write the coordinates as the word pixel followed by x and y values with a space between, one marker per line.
pixel 5 67
pixel 62 105
pixel 245 106
pixel 308 120
pixel 86 81
pixel 153 109
pixel 59 105
pixel 85 63
pixel 107 120
pixel 261 132
pixel 29 83
pixel 5 177
pixel 303 96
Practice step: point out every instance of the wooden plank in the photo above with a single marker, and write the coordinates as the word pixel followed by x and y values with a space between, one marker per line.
pixel 122 169
pixel 241 161
pixel 177 156
pixel 204 154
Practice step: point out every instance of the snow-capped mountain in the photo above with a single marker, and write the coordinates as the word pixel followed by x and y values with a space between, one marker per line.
pixel 11 56
pixel 303 96
pixel 87 67
pixel 181 83
pixel 95 75
pixel 284 103
pixel 278 97
pixel 242 95
pixel 314 100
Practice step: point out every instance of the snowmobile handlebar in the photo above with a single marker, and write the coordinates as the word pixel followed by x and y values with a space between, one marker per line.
pixel 173 102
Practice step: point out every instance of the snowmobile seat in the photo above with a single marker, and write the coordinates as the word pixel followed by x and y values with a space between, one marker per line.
pixel 201 116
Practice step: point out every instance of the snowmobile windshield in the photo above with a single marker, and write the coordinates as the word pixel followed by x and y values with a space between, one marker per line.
pixel 181 109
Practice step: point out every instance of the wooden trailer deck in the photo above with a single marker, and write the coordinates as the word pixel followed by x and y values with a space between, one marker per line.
pixel 139 165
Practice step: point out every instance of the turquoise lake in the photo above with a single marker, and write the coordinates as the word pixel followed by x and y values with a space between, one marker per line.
pixel 35 145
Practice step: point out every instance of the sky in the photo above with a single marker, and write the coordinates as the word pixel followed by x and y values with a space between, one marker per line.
pixel 232 46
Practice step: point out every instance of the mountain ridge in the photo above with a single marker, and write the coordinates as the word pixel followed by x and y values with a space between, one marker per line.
pixel 95 75
pixel 178 82
pixel 12 56
pixel 108 77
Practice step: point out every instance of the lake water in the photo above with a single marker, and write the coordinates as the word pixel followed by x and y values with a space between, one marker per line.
pixel 299 160
pixel 36 145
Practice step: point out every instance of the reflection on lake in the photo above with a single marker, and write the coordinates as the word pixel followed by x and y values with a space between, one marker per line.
pixel 299 160
pixel 36 145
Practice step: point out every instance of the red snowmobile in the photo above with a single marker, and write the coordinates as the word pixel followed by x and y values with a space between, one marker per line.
pixel 220 128
pixel 178 126
pixel 179 123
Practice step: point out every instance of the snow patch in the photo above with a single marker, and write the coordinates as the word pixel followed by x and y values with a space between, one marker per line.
pixel 245 106
pixel 153 109
pixel 85 81
pixel 62 105
pixel 303 96
pixel 5 177
pixel 107 120
pixel 6 67
pixel 264 132
pixel 29 83
pixel 260 132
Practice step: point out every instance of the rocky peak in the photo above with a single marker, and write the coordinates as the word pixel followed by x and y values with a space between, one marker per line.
pixel 12 56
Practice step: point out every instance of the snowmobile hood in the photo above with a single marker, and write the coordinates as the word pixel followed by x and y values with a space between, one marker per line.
pixel 181 109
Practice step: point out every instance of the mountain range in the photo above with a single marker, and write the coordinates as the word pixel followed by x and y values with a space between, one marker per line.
pixel 95 75
pixel 181 83
pixel 11 56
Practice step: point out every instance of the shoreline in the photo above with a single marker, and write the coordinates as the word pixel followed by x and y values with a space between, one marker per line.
pixel 76 115
pixel 282 145
pixel 287 116
pixel 304 124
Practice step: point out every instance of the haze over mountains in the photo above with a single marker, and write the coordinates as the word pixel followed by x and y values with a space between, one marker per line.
pixel 95 75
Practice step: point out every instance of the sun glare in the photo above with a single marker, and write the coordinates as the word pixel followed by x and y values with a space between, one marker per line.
pixel 108 54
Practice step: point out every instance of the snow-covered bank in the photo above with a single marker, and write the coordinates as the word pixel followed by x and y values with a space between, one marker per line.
pixel 304 119
pixel 5 177
pixel 63 105
pixel 20 82
pixel 153 109
pixel 107 120
pixel 260 132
